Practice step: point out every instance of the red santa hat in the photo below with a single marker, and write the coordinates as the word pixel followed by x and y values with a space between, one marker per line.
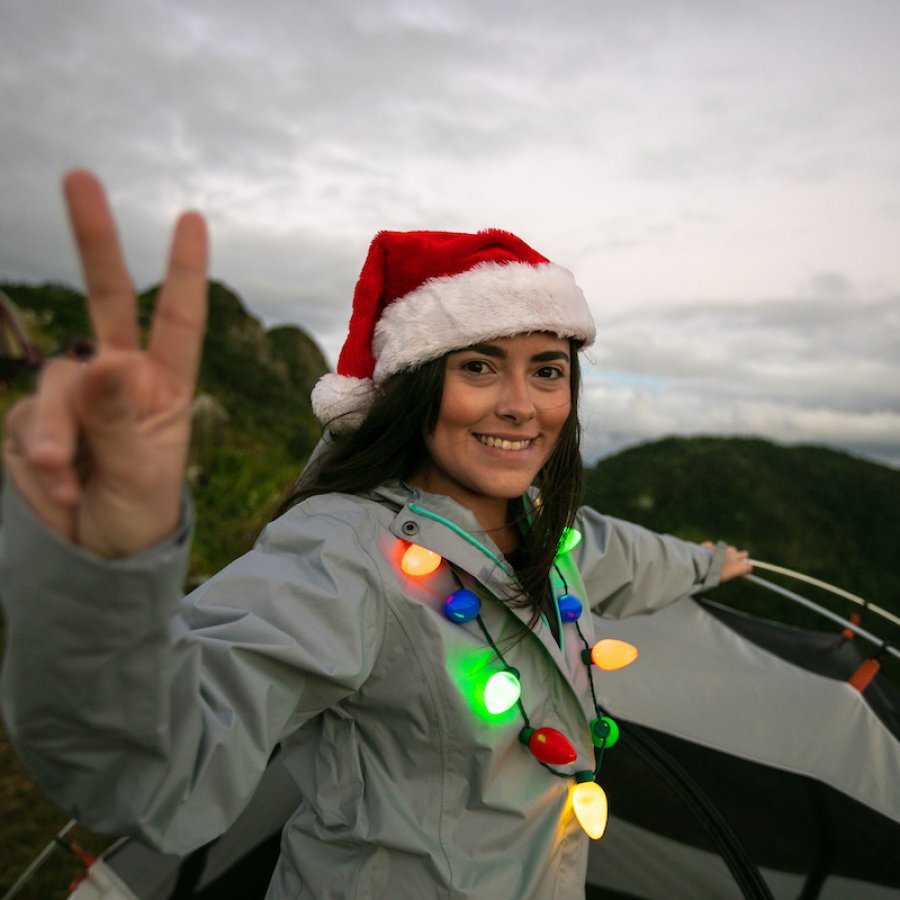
pixel 422 294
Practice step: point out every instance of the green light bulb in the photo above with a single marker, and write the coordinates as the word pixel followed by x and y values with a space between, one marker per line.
pixel 502 692
pixel 570 539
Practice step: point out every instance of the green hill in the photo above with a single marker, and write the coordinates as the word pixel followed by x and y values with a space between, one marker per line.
pixel 821 512
pixel 254 427
pixel 825 513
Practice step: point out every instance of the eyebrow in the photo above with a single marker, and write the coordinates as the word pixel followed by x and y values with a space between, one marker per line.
pixel 500 353
pixel 550 356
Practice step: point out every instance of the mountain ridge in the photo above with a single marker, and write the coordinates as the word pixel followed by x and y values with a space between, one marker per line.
pixel 805 507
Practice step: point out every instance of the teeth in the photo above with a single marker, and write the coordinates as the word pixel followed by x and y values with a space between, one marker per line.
pixel 501 444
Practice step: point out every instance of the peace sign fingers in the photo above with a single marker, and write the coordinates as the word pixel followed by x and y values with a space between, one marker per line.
pixel 180 315
pixel 100 449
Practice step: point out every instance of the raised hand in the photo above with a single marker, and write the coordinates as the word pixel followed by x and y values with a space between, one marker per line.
pixel 736 563
pixel 99 450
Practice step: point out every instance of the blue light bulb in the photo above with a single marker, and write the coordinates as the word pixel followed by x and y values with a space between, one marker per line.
pixel 570 608
pixel 461 606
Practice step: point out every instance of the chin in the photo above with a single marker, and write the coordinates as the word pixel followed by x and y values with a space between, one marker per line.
pixel 507 492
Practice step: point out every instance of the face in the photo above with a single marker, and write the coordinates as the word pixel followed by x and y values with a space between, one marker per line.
pixel 502 410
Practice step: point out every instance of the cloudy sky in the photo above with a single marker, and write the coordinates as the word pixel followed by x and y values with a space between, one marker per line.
pixel 722 176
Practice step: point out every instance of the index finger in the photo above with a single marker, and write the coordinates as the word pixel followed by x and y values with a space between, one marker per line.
pixel 111 300
pixel 176 334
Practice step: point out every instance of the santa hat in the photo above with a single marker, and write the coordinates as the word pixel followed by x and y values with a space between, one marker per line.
pixel 422 294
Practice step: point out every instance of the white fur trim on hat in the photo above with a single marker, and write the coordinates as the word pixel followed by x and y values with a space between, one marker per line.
pixel 490 300
pixel 342 402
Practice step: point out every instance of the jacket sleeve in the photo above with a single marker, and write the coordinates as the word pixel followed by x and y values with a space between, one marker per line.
pixel 627 569
pixel 147 715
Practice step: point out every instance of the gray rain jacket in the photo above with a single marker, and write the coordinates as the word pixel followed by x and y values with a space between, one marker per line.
pixel 145 714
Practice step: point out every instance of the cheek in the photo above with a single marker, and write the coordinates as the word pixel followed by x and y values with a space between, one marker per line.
pixel 556 413
pixel 450 428
pixel 459 408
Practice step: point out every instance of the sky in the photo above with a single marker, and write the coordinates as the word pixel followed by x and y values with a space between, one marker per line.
pixel 721 176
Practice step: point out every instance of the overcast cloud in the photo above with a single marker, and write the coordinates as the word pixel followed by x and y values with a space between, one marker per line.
pixel 722 177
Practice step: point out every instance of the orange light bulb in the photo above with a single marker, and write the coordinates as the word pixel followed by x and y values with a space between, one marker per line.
pixel 419 561
pixel 610 654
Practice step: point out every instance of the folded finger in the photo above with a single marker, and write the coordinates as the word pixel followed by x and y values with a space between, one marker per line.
pixel 31 482
pixel 111 300
pixel 50 440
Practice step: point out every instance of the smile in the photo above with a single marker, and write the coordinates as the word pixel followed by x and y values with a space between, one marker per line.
pixel 501 444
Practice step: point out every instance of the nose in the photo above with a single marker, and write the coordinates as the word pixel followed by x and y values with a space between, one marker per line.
pixel 515 403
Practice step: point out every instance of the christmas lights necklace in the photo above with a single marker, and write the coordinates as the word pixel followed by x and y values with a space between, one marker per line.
pixel 503 689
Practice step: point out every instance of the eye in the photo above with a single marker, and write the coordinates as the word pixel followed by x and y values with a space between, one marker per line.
pixel 476 366
pixel 551 372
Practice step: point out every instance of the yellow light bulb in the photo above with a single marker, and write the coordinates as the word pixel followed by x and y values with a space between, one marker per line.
pixel 591 808
pixel 419 561
pixel 611 653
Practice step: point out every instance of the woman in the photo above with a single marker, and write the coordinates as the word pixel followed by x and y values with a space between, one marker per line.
pixel 455 393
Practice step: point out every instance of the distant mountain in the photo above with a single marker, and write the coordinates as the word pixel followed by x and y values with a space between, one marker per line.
pixel 819 511
pixel 825 513
pixel 253 424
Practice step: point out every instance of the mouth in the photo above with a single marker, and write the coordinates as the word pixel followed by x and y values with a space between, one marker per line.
pixel 503 444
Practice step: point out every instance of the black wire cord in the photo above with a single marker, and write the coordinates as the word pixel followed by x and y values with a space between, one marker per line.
pixel 740 864
pixel 732 851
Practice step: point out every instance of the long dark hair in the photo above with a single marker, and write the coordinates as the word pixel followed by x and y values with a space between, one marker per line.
pixel 389 445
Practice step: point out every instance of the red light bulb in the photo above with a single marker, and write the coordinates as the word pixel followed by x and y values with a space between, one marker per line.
pixel 547 745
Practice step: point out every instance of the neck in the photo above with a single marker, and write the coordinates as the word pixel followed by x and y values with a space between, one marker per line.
pixel 493 518
pixel 506 538
pixel 490 512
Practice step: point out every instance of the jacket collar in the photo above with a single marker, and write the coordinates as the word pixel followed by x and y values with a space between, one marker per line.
pixel 439 523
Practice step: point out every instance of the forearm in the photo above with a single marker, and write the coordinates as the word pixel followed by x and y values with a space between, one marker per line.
pixel 628 569
pixel 88 658
pixel 147 716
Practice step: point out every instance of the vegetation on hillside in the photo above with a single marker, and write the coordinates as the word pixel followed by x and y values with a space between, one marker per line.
pixel 818 511
pixel 254 427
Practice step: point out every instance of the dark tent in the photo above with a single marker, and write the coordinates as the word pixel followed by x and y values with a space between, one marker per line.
pixel 799 767
pixel 17 350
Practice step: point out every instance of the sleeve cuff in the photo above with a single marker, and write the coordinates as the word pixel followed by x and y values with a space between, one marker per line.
pixel 714 570
pixel 21 526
